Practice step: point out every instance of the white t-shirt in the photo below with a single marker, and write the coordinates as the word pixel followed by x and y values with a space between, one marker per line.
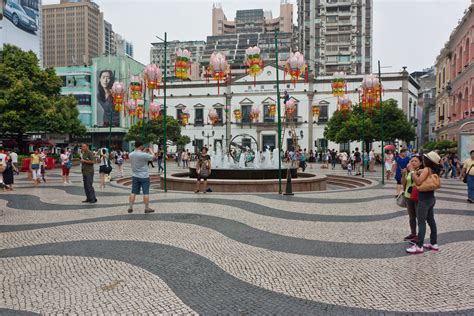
pixel 64 159
pixel 14 157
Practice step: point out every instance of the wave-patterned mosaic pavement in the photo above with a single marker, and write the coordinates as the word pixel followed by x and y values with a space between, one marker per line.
pixel 332 253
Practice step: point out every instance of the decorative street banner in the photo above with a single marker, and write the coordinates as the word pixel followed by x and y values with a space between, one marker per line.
pixel 21 24
pixel 105 100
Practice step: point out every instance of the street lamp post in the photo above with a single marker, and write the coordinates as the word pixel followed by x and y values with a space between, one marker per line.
pixel 165 40
pixel 278 112
pixel 381 126
pixel 208 136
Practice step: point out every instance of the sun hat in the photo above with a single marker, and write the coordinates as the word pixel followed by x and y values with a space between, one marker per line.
pixel 434 157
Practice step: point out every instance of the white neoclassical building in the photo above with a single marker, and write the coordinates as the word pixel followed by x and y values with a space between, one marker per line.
pixel 199 97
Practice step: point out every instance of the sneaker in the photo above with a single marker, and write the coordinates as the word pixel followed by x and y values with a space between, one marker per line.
pixel 130 210
pixel 410 237
pixel 414 240
pixel 414 250
pixel 429 246
pixel 149 210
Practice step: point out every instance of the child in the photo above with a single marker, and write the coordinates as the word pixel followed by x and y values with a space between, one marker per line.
pixel 349 169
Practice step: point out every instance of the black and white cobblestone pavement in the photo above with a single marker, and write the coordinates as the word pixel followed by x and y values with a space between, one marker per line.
pixel 338 252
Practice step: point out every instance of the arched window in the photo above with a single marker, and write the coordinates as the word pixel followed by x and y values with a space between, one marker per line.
pixel 444 75
pixel 466 53
pixel 454 70
pixel 465 102
pixel 459 69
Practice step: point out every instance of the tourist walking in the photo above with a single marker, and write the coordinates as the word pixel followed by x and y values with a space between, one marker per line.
pixel 66 165
pixel 87 168
pixel 35 167
pixel 140 176
pixel 203 170
pixel 333 158
pixel 302 159
pixel 372 161
pixel 388 163
pixel 467 176
pixel 401 163
pixel 357 161
pixel 185 158
pixel 14 158
pixel 160 161
pixel 8 173
pixel 103 167
pixel 118 157
pixel 43 156
pixel 410 195
pixel 427 181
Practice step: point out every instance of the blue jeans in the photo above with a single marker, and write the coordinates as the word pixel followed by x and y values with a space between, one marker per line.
pixel 425 213
pixel 470 187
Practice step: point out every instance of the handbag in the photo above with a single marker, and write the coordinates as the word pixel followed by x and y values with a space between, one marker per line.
pixel 414 194
pixel 431 183
pixel 401 201
pixel 467 173
pixel 68 164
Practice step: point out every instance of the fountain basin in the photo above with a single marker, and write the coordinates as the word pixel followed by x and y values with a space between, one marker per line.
pixel 303 183
pixel 245 174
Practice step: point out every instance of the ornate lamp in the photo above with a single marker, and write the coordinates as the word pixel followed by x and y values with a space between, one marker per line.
pixel 182 65
pixel 339 84
pixel 218 68
pixel 295 66
pixel 118 92
pixel 253 62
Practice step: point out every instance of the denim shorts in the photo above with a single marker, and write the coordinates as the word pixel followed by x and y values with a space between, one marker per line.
pixel 143 183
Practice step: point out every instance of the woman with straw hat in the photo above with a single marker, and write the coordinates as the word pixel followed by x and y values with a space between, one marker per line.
pixel 426 203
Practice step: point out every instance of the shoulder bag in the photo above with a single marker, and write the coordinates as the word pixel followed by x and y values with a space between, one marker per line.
pixel 431 183
pixel 467 173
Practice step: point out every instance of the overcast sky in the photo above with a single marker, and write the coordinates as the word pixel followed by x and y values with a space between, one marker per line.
pixel 406 32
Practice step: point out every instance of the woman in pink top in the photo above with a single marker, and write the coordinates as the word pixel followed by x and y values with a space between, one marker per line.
pixel 389 163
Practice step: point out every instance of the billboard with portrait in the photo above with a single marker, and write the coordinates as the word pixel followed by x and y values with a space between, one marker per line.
pixel 21 24
pixel 106 115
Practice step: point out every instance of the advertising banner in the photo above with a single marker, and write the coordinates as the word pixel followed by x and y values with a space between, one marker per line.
pixel 21 24
pixel 106 114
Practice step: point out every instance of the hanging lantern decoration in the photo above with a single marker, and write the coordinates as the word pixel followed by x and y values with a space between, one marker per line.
pixel 237 114
pixel 154 112
pixel 132 107
pixel 344 105
pixel 182 65
pixel 296 67
pixel 371 90
pixel 140 109
pixel 272 108
pixel 185 117
pixel 316 110
pixel 213 117
pixel 135 87
pixel 255 113
pixel 118 92
pixel 290 107
pixel 218 69
pixel 339 84
pixel 153 77
pixel 253 62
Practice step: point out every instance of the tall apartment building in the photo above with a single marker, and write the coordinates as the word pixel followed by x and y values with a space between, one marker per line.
pixel 73 33
pixel 110 44
pixel 123 47
pixel 455 82
pixel 336 35
pixel 252 21
pixel 196 48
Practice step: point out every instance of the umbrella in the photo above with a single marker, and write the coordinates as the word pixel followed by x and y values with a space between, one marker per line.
pixel 389 147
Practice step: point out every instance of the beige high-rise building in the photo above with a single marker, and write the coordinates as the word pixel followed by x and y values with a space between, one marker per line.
pixel 73 33
pixel 252 21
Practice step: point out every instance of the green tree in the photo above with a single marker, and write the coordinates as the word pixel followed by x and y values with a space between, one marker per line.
pixel 30 99
pixel 359 125
pixel 152 132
